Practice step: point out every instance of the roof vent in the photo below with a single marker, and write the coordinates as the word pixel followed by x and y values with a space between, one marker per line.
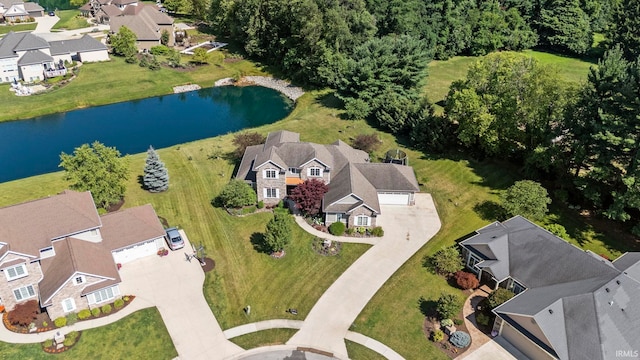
pixel 618 282
pixel 550 311
pixel 607 290
pixel 611 303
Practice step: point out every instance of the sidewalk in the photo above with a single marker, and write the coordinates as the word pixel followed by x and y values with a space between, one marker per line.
pixel 344 239
pixel 407 229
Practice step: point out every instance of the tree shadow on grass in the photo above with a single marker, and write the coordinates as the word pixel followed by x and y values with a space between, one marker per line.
pixel 490 210
pixel 427 307
pixel 331 101
pixel 259 245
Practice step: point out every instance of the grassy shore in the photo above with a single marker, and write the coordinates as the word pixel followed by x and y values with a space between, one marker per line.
pixel 141 335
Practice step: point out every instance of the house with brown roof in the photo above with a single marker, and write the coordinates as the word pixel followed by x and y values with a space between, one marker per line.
pixel 147 22
pixel 357 187
pixel 569 303
pixel 60 251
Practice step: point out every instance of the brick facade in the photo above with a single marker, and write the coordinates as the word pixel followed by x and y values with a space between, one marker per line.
pixel 6 287
pixel 263 183
pixel 70 290
pixel 351 220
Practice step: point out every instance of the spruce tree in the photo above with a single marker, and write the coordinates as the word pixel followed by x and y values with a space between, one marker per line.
pixel 156 177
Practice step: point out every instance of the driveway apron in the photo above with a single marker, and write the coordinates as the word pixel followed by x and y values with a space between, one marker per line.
pixel 407 229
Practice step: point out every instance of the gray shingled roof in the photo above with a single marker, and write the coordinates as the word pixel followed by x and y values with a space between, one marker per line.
pixel 31 42
pixel 581 303
pixel 32 57
pixel 279 137
pixel 84 44
pixel 350 181
pixel 390 177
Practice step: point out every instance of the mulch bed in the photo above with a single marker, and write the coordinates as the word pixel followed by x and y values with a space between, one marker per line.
pixel 116 206
pixel 431 323
pixel 41 318
pixel 53 349
pixel 278 254
pixel 319 247
pixel 209 264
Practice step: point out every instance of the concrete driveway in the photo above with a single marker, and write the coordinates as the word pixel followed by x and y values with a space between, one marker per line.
pixel 45 23
pixel 174 286
pixel 496 349
pixel 407 229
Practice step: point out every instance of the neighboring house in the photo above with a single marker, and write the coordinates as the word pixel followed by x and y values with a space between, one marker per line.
pixel 570 303
pixel 28 57
pixel 147 22
pixel 13 12
pixel 59 251
pixel 357 187
pixel 106 13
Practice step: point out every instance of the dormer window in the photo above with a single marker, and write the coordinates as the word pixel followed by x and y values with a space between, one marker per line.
pixel 294 170
pixel 315 171
pixel 270 174
pixel 16 272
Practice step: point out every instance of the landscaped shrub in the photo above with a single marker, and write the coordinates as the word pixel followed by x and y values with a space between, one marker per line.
pixel 260 204
pixel 60 322
pixel 448 306
pixel 466 280
pixel 73 336
pixel 72 318
pixel 45 324
pixel 106 309
pixel 446 322
pixel 236 194
pixel 447 261
pixel 23 314
pixel 460 339
pixel 377 231
pixel 482 319
pixel 362 230
pixel 499 297
pixel 337 228
pixel 126 298
pixel 96 312
pixel 84 314
pixel 118 304
pixel 159 50
pixel 366 142
pixel 437 336
pixel 350 231
pixel 458 321
pixel 47 343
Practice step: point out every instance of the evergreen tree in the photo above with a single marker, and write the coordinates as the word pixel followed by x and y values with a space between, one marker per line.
pixel 565 27
pixel 625 28
pixel 278 231
pixel 156 177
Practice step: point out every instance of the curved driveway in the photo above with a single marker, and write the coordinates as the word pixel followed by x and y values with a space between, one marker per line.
pixel 407 229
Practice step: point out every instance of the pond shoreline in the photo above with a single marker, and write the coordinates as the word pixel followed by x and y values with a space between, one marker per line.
pixel 282 86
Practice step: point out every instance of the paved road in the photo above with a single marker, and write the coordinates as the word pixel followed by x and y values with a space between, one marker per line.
pixel 175 287
pixel 407 229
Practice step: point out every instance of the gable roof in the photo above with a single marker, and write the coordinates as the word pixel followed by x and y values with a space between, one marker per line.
pixel 144 20
pixel 130 226
pixel 350 181
pixel 32 7
pixel 22 41
pixel 31 226
pixel 389 177
pixel 72 256
pixel 110 10
pixel 32 57
pixel 578 300
pixel 85 43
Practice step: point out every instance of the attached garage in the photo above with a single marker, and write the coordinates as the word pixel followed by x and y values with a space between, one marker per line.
pixel 389 198
pixel 137 251
pixel 523 344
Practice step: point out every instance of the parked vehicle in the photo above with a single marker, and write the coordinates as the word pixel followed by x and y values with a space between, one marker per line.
pixel 174 240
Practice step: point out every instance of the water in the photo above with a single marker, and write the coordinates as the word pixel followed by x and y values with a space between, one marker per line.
pixel 33 147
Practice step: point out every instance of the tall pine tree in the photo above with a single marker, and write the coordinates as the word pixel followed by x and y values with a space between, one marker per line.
pixel 156 177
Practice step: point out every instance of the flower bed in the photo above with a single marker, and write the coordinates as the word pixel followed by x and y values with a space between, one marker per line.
pixel 326 248
pixel 71 339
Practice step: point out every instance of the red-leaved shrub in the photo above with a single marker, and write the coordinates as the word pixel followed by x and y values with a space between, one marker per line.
pixel 24 314
pixel 466 280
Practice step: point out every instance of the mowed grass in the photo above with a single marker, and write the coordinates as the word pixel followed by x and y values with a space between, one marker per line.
pixel 141 335
pixel 443 73
pixel 360 352
pixel 112 82
pixel 245 276
pixel 18 27
pixel 70 20
pixel 264 338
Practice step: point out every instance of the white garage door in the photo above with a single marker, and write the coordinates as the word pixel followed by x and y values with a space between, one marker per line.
pixel 135 252
pixel 393 198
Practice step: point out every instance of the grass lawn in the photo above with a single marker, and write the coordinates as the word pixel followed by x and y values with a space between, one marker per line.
pixel 70 20
pixel 114 81
pixel 264 338
pixel 359 352
pixel 19 27
pixel 443 73
pixel 141 335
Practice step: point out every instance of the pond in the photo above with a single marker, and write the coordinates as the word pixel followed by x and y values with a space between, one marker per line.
pixel 33 147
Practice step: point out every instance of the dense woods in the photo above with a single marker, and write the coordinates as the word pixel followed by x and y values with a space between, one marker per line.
pixel 582 140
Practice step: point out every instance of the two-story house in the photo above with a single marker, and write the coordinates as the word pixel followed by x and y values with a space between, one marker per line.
pixel 59 251
pixel 357 187
pixel 570 303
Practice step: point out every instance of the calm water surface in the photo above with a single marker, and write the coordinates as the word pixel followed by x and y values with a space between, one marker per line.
pixel 33 147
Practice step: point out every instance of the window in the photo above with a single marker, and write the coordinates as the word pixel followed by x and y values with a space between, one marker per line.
pixel 47 252
pixel 294 170
pixel 68 305
pixel 270 174
pixel 271 193
pixel 473 262
pixel 362 220
pixel 103 295
pixel 78 280
pixel 16 272
pixel 315 172
pixel 24 292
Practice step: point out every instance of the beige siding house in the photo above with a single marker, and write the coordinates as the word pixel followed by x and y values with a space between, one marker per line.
pixel 147 22
pixel 357 187
pixel 58 251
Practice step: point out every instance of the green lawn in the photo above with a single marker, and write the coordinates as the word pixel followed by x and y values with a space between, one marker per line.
pixel 111 82
pixel 19 27
pixel 141 335
pixel 443 73
pixel 264 338
pixel 70 20
pixel 360 352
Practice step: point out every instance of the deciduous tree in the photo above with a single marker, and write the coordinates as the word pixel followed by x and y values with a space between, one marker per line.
pixel 236 194
pixel 308 196
pixel 123 43
pixel 99 169
pixel 527 198
pixel 245 139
